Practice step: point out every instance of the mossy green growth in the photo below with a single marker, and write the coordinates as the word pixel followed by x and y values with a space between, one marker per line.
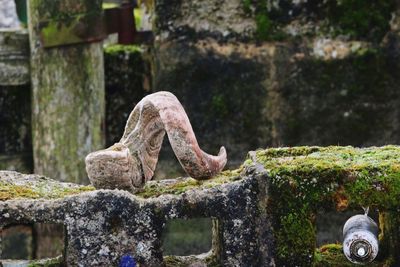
pixel 59 10
pixel 361 20
pixel 246 5
pixel 332 255
pixel 266 28
pixel 118 48
pixel 305 179
pixel 362 176
pixel 181 185
pixel 296 238
pixel 41 189
pixel 52 262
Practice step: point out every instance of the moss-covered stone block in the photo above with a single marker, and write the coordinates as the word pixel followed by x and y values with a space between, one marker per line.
pixel 14 185
pixel 104 225
pixel 264 20
pixel 332 255
pixel 263 212
pixel 306 179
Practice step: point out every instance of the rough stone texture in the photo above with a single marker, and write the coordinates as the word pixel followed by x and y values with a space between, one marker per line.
pixel 127 80
pixel 264 212
pixel 14 57
pixel 104 225
pixel 68 95
pixel 131 162
pixel 303 77
pixel 203 18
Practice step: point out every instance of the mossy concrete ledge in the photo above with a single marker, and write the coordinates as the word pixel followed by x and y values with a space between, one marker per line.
pixel 303 180
pixel 264 212
pixel 104 225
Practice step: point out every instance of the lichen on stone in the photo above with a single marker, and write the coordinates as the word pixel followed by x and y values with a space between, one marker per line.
pixel 52 262
pixel 15 186
pixel 206 259
pixel 365 176
pixel 332 255
pixel 305 179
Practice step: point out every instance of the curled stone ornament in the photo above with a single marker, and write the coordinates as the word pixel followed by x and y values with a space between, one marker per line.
pixel 131 162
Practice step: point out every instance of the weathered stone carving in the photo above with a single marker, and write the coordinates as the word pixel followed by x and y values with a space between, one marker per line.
pixel 131 162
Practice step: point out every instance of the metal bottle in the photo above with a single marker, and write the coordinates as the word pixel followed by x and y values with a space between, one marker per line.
pixel 360 239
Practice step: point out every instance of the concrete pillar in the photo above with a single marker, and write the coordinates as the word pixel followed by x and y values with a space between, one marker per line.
pixel 67 88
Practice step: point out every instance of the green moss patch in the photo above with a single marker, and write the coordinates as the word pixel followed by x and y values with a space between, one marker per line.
pixel 53 262
pixel 355 18
pixel 362 176
pixel 305 179
pixel 181 185
pixel 332 255
pixel 39 189
pixel 117 48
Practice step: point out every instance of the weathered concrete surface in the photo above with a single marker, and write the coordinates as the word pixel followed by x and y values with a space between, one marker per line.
pixel 281 94
pixel 264 212
pixel 104 225
pixel 14 57
pixel 291 83
pixel 127 81
pixel 67 95
pixel 220 19
pixel 309 73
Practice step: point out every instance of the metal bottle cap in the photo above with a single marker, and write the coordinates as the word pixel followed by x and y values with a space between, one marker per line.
pixel 360 243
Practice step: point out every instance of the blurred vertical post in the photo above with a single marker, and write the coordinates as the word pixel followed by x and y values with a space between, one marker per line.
pixel 389 224
pixel 68 102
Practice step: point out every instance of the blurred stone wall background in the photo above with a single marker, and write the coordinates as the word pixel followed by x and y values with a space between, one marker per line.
pixel 250 74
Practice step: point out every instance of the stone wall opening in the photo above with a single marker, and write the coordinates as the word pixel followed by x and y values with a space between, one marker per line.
pixel 187 237
pixel 16 242
pixel 32 241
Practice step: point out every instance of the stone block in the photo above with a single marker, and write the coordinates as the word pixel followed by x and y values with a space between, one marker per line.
pixel 263 213
pixel 14 57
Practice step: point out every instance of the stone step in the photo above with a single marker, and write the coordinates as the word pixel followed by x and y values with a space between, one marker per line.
pixel 14 57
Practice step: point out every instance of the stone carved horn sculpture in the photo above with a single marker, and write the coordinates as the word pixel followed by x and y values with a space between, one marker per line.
pixel 131 162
